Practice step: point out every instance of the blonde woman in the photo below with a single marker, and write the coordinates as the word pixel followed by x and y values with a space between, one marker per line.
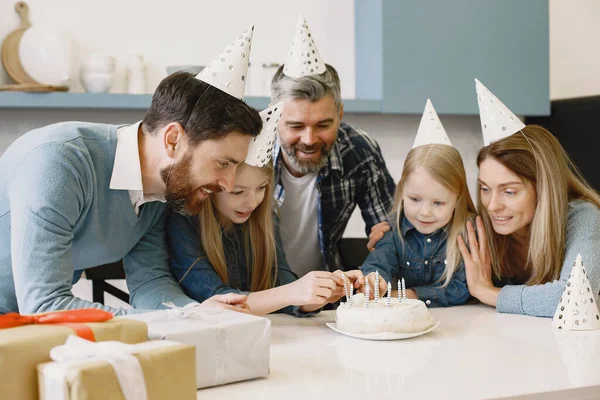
pixel 234 247
pixel 537 214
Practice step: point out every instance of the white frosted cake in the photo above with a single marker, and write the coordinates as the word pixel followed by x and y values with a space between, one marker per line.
pixel 402 316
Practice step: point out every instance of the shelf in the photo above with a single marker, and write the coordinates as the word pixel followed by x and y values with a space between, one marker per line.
pixel 115 101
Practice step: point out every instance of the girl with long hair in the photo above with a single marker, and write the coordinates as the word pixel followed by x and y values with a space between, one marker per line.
pixel 234 245
pixel 431 207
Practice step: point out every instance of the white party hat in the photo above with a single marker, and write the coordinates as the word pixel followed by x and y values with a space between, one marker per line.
pixel 577 309
pixel 260 150
pixel 497 121
pixel 229 70
pixel 431 130
pixel 304 58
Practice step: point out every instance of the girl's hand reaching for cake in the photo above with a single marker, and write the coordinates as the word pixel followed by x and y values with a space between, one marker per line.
pixel 354 279
pixel 316 288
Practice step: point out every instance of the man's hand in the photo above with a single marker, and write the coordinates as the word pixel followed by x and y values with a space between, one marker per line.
pixel 377 233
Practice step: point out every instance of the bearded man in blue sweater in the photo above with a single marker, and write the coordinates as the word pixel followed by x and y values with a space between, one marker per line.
pixel 75 195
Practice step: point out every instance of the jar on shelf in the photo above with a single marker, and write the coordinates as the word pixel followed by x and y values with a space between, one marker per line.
pixel 136 74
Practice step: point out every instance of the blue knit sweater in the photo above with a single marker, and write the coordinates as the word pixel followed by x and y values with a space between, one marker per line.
pixel 583 236
pixel 58 216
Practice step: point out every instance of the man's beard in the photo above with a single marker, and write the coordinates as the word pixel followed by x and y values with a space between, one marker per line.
pixel 307 166
pixel 180 194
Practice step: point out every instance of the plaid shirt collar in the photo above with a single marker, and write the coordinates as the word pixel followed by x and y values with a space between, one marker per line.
pixel 334 163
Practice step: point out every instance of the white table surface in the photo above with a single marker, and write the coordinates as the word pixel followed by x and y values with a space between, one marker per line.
pixel 475 353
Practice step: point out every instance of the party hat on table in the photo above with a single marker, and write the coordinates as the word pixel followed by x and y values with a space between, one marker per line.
pixel 577 309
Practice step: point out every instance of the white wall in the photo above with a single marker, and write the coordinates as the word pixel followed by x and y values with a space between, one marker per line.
pixel 574 51
pixel 193 32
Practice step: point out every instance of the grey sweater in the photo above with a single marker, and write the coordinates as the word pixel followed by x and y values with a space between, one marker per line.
pixel 583 236
pixel 58 215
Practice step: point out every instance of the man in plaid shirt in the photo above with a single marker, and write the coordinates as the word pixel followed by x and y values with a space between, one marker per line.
pixel 323 169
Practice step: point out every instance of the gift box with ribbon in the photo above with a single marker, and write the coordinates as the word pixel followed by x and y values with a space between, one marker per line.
pixel 153 370
pixel 26 341
pixel 230 346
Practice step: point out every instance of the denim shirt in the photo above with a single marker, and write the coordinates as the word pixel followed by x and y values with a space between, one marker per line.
pixel 421 262
pixel 196 275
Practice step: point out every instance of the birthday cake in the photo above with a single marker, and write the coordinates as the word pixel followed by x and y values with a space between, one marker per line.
pixel 383 316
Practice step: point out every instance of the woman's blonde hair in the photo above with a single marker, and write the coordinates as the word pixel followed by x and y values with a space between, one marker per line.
pixel 537 157
pixel 445 165
pixel 258 234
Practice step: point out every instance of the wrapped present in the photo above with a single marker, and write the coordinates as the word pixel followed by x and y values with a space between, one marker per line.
pixel 26 341
pixel 153 370
pixel 230 346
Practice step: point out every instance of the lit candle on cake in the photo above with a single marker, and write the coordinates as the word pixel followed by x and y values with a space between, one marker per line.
pixel 376 286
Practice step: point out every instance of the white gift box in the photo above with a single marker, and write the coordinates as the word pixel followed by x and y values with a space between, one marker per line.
pixel 230 346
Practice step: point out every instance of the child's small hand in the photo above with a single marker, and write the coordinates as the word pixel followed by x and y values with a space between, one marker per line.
pixel 316 288
pixel 354 278
pixel 371 282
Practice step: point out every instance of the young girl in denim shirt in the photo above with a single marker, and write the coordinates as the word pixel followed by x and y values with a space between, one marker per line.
pixel 234 245
pixel 431 207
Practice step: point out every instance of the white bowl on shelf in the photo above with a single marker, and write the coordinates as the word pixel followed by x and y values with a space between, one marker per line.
pixel 97 62
pixel 96 82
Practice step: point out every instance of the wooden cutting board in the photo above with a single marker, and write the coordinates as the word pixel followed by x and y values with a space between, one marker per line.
pixel 32 87
pixel 10 47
